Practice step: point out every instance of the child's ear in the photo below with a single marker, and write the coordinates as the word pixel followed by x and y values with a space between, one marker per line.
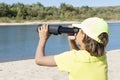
pixel 83 37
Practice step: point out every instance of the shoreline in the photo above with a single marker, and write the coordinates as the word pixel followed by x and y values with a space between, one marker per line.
pixel 22 59
pixel 47 22
pixel 37 22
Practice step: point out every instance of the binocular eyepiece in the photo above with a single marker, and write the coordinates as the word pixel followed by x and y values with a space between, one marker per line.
pixel 59 29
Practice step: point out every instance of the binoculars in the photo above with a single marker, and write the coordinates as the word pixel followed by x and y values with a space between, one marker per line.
pixel 59 29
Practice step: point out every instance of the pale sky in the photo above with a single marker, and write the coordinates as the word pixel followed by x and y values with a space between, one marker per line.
pixel 75 3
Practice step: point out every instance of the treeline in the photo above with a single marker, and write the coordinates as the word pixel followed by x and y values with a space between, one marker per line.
pixel 65 12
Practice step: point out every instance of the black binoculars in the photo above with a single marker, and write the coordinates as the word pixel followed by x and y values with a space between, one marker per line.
pixel 59 29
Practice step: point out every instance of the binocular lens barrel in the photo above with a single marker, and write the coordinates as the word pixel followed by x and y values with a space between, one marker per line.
pixel 58 29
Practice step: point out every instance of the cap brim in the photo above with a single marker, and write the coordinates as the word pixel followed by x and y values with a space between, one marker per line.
pixel 77 25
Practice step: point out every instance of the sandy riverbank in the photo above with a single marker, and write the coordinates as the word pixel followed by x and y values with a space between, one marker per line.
pixel 28 70
pixel 37 22
pixel 47 22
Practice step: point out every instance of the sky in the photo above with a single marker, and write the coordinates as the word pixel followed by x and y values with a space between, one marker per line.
pixel 76 3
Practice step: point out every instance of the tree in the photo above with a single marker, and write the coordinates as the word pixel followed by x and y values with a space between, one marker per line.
pixel 3 10
pixel 20 11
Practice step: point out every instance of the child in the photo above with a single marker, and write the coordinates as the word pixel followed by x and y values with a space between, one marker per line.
pixel 87 58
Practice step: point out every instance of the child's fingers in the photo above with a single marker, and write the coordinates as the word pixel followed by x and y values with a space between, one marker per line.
pixel 71 37
pixel 44 27
pixel 70 26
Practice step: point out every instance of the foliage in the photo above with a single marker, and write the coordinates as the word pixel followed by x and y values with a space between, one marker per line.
pixel 20 12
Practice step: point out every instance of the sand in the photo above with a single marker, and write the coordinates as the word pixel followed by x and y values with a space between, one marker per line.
pixel 37 22
pixel 28 70
pixel 47 22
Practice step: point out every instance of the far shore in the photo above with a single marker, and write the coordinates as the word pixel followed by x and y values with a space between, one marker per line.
pixel 47 22
pixel 37 22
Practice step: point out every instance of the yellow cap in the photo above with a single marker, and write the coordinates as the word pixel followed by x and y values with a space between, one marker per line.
pixel 93 27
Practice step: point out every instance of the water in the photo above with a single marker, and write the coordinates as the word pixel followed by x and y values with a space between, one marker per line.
pixel 114 40
pixel 17 42
pixel 20 42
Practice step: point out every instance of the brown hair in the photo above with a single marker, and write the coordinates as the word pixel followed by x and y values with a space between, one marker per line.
pixel 95 48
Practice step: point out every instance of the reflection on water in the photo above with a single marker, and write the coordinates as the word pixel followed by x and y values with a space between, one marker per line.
pixel 20 42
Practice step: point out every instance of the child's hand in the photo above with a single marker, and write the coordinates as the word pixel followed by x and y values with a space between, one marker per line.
pixel 71 37
pixel 43 32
